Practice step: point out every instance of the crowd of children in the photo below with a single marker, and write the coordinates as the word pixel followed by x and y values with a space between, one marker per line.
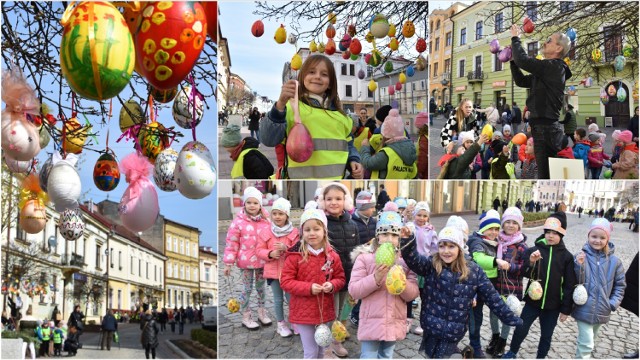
pixel 330 263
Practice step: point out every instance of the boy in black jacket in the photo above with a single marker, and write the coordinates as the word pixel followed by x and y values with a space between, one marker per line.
pixel 552 264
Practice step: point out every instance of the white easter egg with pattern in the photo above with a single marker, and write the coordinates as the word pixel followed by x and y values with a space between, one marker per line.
pixel 580 295
pixel 71 224
pixel 17 166
pixel 323 335
pixel 514 304
pixel 195 172
pixel 182 109
pixel 164 170
pixel 20 138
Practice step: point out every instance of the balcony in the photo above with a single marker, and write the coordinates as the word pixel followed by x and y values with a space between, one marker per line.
pixel 475 76
pixel 445 78
pixel 72 263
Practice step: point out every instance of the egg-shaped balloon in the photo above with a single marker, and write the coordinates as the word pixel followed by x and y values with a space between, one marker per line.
pixel 355 47
pixel 195 172
pixel 71 224
pixel 398 86
pixel 43 176
pixel 619 62
pixel 163 96
pixel 153 139
pixel 408 29
pixel 20 138
pixel 411 71
pixel 257 29
pixel 17 166
pixel 379 26
pixel 140 212
pixel 33 217
pixel 505 54
pixel 182 109
pixel 130 114
pixel 528 26
pixel 388 67
pixel 64 186
pixel 170 40
pixel 421 45
pixel 164 170
pixel 281 35
pixel 75 136
pixel 622 94
pixel 494 46
pixel 97 55
pixel 106 173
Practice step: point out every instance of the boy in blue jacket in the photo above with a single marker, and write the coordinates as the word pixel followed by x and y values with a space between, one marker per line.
pixel 582 147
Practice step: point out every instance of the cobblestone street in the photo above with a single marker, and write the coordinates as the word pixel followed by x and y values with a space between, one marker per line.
pixel 615 339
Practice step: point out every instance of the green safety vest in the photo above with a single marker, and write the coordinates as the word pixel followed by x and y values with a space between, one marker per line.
pixel 57 337
pixel 46 334
pixel 331 132
pixel 396 168
pixel 364 134
pixel 238 168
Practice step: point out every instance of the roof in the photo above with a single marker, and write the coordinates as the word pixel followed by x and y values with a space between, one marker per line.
pixel 207 250
pixel 181 224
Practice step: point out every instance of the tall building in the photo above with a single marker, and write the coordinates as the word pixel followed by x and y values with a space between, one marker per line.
pixel 182 284
pixel 208 276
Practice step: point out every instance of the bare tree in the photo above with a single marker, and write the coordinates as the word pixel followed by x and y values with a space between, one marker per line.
pixel 629 196
pixel 25 262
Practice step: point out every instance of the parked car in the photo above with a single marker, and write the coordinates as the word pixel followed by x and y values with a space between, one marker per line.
pixel 210 318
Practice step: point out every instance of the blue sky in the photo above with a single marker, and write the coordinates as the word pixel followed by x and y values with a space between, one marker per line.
pixel 202 213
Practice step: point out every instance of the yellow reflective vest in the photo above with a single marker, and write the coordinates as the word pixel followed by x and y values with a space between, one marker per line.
pixel 396 168
pixel 238 168
pixel 331 133
pixel 46 334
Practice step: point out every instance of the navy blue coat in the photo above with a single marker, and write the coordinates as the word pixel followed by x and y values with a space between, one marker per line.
pixel 446 300
pixel 344 237
pixel 366 231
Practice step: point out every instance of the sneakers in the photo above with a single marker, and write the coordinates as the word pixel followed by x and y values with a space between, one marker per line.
pixel 418 330
pixel 509 355
pixel 295 329
pixel 338 349
pixel 247 321
pixel 263 316
pixel 283 329
pixel 478 353
pixel 492 344
pixel 633 355
pixel 409 323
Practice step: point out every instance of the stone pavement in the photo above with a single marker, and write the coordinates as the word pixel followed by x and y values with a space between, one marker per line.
pixel 616 338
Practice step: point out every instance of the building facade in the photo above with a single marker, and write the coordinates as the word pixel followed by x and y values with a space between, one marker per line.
pixel 224 71
pixel 592 195
pixel 208 276
pixel 182 284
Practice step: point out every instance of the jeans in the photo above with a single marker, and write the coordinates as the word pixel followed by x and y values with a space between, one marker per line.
pixel 586 339
pixel 475 322
pixel 548 322
pixel 495 326
pixel 548 141
pixel 355 312
pixel 431 115
pixel 256 133
pixel 309 346
pixel 595 172
pixel 377 349
pixel 278 299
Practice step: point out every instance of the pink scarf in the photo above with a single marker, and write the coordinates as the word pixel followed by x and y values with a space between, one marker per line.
pixel 505 240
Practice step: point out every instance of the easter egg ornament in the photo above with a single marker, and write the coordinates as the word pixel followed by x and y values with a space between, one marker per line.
pixel 20 139
pixel 292 39
pixel 528 26
pixel 332 18
pixel 535 290
pixel 619 62
pixel 571 34
pixel 138 207
pixel 488 130
pixel 233 305
pixel 514 304
pixel 313 47
pixel 494 46
pixel 411 71
pixel 519 139
pixel 392 30
pixel 611 90
pixel 299 142
pixel 372 85
pixel 596 55
pixel 388 67
pixel 421 45
pixel 396 280
pixel 33 217
pixel 345 42
pixel 421 63
pixel 195 173
pixel 393 44
pixel 608 174
pixel 322 335
pixel 391 90
pixel 622 94
pixel 330 48
pixel 379 26
pixel 505 54
pixel 182 109
pixel 296 62
pixel 63 184
pixel 321 47
pixel 44 172
pixel 580 295
pixel 402 78
pixel 164 168
pixel 331 31
pixel 386 254
pixel 106 173
pixel 75 136
pixel 408 29
pixel 152 139
pixel 257 29
pixel 338 331
pixel 163 96
pixel 355 47
pixel 627 51
pixel 130 114
pixel 71 225
pixel 281 35
pixel 604 97
pixel 17 166
pixel 346 54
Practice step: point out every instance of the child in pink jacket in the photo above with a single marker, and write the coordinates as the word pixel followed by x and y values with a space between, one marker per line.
pixel 240 250
pixel 272 246
pixel 383 316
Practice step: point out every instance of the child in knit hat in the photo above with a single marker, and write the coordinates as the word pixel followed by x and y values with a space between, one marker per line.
pixel 443 309
pixel 529 164
pixel 596 156
pixel 240 250
pixel 271 248
pixel 602 274
pixel 248 161
pixel 551 264
pixel 500 160
pixel 397 158
pixel 459 165
pixel 627 166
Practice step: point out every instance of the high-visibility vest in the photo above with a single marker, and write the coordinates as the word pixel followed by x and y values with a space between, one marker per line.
pixel 396 168
pixel 331 132
pixel 238 168
pixel 364 134
pixel 57 336
pixel 46 334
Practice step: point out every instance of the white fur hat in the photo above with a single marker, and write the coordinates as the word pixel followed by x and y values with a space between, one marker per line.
pixel 422 205
pixel 348 199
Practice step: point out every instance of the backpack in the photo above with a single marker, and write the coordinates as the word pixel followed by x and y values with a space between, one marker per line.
pixel 263 168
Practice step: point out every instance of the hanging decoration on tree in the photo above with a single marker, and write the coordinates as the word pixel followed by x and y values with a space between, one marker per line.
pixel 281 35
pixel 163 96
pixel 20 139
pixel 379 26
pixel 164 170
pixel 106 173
pixel 71 224
pixel 195 171
pixel 32 203
pixel 138 206
pixel 257 29
pixel 63 184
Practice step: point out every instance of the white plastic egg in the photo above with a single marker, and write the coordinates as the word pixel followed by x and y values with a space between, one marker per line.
pixel 514 304
pixel 163 170
pixel 71 224
pixel 139 213
pixel 195 172
pixel 183 109
pixel 323 335
pixel 580 295
pixel 64 186
pixel 20 139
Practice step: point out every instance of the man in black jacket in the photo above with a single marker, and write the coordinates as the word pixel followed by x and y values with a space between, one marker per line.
pixel 383 198
pixel 546 82
pixel 109 326
pixel 516 118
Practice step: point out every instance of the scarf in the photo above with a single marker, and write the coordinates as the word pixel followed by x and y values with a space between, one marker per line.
pixel 321 101
pixel 281 231
pixel 255 218
pixel 631 147
pixel 505 240
pixel 314 251
pixel 493 243
pixel 236 151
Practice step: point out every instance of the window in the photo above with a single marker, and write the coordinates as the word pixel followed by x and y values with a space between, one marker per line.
pixel 181 246
pixel 119 299
pixel 532 49
pixel 612 42
pixel 175 245
pixel 343 69
pixel 195 250
pixel 169 268
pixel 438 25
pixel 181 271
pixel 168 296
pixel 463 36
pixel 478 64
pixel 168 242
pixel 499 22
pixel 352 69
pixel 431 26
pixel 447 65
pixel 119 260
pixel 111 258
pixel 207 273
pixel 369 93
pixel 175 271
pixel 188 271
pixel 195 273
pixel 449 39
pixel 435 70
pixel 532 10
pixel 497 63
pixel 566 6
pixel 348 93
pixel 461 68
pixel 188 249
pixel 147 269
pixel 437 41
pixel 131 266
pixel 478 30
pixel 98 256
pixel 139 267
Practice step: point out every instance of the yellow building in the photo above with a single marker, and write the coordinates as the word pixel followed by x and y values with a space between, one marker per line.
pixel 182 284
pixel 208 276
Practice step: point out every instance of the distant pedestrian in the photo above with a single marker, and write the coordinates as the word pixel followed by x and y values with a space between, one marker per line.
pixel 496 203
pixel 254 123
pixel 149 335
pixel 180 319
pixel 162 319
pixel 76 320
pixel 109 326
pixel 172 320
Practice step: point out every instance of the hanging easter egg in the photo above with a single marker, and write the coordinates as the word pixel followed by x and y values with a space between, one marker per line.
pixel 17 166
pixel 421 63
pixel 392 30
pixel 611 90
pixel 75 136
pixel 211 12
pixel 330 48
pixel 410 71
pixel 393 44
pixel 257 29
pixel 604 97
pixel 588 82
pixel 580 295
pixel 345 42
pixel 338 331
pixel 170 40
pixel 296 62
pixel 528 26
pixel 408 29
pixel 292 39
pixel 330 32
pixel 596 55
pixel 233 305
pixel 402 78
pixel 567 61
pixel 352 56
pixel 388 67
pixel 131 15
pixel 505 54
pixel 396 280
pixel 298 142
pixel 571 33
pixel 386 254
pixel 619 62
pixel 494 46
pixel 312 46
pixel 627 51
pixel 346 54
pixel 195 172
pixel 375 59
pixel 322 335
pixel 572 90
pixel 367 58
pixel 164 170
pixel 138 207
pixel 421 45
pixel 539 57
pixel 131 114
pixel 379 26
pixel 321 47
pixel 355 47
pixel 369 37
pixel 535 290
pixel 163 96
pixel 19 137
pixel 351 30
pixel 182 109
pixel 622 94
pixel 97 56
pixel 332 18
pixel 106 174
pixel 608 174
pixel 71 225
pixel 398 86
pixel 43 176
pixel 33 216
pixel 152 139
pixel 372 85
pixel 361 74
pixel 63 185
pixel 391 90
pixel 514 304
pixel 488 130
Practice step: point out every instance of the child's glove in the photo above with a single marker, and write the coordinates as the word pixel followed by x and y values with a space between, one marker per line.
pixel 607 163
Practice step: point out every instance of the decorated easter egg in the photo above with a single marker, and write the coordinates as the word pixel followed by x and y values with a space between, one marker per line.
pixel 164 168
pixel 421 63
pixel 567 61
pixel 619 62
pixel 396 280
pixel 332 18
pixel 514 304
pixel 346 54
pixel 402 78
pixel 138 213
pixel 296 62
pixel 398 86
pixel 627 51
pixel 170 40
pixel 379 26
pixel 44 137
pixel 388 66
pixel 152 139
pixel 281 35
pixel 408 29
pixel 17 166
pixel 64 186
pixel 321 47
pixel 352 56
pixel 106 174
pixel 211 12
pixel 43 176
pixel 19 137
pixel 330 32
pixel 338 331
pixel 351 30
pixel 505 54
pixel 622 94
pixel 313 47
pixel 97 55
pixel 131 114
pixel 195 172
pixel 131 15
pixel 494 46
pixel 345 42
pixel 596 55
pixel 488 130
pixel 182 109
pixel 588 82
pixel 369 37
pixel 604 97
pixel 608 174
pixel 411 71
pixel 330 48
pixel 71 224
pixel 580 295
pixel 611 90
pixel 393 44
pixel 571 33
pixel 233 305
pixel 528 26
pixel 355 47
pixel 75 136
pixel 421 45
pixel 391 89
pixel 322 336
pixel 163 96
pixel 392 30
pixel 361 74
pixel 292 39
pixel 33 217
pixel 535 290
pixel 386 254
pixel 375 58
pixel 257 29
pixel 372 85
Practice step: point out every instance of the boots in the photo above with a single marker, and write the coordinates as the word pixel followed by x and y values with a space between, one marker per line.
pixel 492 344
pixel 247 321
pixel 338 349
pixel 499 349
pixel 283 329
pixel 263 316
pixel 418 330
pixel 344 322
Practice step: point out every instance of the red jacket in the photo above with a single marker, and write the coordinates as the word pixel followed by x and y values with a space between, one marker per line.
pixel 566 153
pixel 596 156
pixel 297 278
pixel 423 157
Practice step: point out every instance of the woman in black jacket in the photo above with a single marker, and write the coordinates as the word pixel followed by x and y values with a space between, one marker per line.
pixel 76 320
pixel 254 123
pixel 149 336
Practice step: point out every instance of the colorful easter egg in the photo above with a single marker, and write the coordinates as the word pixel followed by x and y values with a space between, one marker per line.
pixel 535 290
pixel 75 136
pixel 388 67
pixel 421 45
pixel 494 46
pixel 19 137
pixel 71 225
pixel 322 335
pixel 130 114
pixel 257 29
pixel 153 139
pixel 321 47
pixel 396 280
pixel 398 86
pixel 375 58
pixel 611 90
pixel 379 26
pixel 514 304
pixel 281 35
pixel 411 71
pixel 627 51
pixel 140 212
pixel 372 85
pixel 131 15
pixel 351 30
pixel 106 174
pixel 338 331
pixel 296 62
pixel 97 55
pixel 391 89
pixel 330 32
pixel 528 26
pixel 393 44
pixel 163 96
pixel 408 29
pixel 332 18
pixel 182 109
pixel 596 55
pixel 355 47
pixel 33 217
pixel 345 42
pixel 604 97
pixel 292 39
pixel 402 78
pixel 571 33
pixel 211 12
pixel 164 170
pixel 421 63
pixel 619 62
pixel 622 94
pixel 313 47
pixel 195 172
pixel 392 30
pixel 330 48
pixel 386 254
pixel 233 305
pixel 346 54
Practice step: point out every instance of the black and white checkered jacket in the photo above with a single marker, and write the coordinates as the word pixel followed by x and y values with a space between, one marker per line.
pixel 451 128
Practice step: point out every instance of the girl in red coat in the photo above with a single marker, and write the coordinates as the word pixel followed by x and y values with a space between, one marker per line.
pixel 312 273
